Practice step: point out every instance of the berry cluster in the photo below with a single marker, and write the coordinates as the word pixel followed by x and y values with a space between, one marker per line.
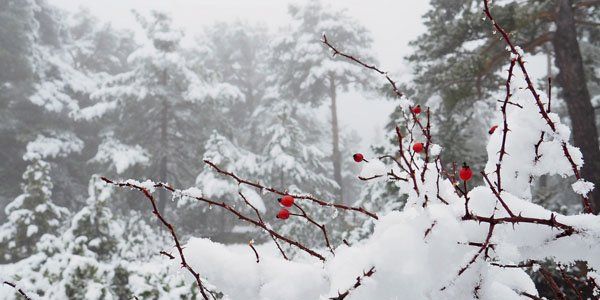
pixel 286 201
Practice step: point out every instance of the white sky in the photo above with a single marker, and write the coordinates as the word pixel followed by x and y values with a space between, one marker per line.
pixel 393 23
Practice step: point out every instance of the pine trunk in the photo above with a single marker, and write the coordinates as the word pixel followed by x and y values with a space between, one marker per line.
pixel 572 80
pixel 336 156
pixel 163 171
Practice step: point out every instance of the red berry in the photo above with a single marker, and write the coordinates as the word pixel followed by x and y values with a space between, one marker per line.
pixel 493 129
pixel 417 109
pixel 287 201
pixel 465 173
pixel 283 214
pixel 418 147
pixel 358 157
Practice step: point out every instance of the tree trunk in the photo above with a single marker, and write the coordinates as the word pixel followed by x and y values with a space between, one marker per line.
pixel 163 171
pixel 572 80
pixel 336 156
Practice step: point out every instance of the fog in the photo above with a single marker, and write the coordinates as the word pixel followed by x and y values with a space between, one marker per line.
pixel 311 149
pixel 392 24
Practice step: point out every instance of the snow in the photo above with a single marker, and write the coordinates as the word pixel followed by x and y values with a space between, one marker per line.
pixel 373 168
pixel 253 198
pixel 417 252
pixel 582 187
pixel 59 145
pixel 148 184
pixel 120 156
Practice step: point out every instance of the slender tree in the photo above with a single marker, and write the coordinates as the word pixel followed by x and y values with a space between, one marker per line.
pixel 308 71
pixel 156 103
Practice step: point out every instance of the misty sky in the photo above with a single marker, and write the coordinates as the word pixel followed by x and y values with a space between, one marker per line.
pixel 392 23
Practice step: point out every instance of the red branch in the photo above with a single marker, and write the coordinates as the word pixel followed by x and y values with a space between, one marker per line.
pixel 169 227
pixel 359 279
pixel 542 110
pixel 555 289
pixel 251 244
pixel 14 286
pixel 505 129
pixel 231 210
pixel 260 220
pixel 282 193
pixel 371 67
pixel 304 215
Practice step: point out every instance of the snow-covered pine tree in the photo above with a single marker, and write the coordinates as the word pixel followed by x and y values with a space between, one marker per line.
pixel 230 156
pixel 291 159
pixel 100 256
pixel 309 73
pixel 94 231
pixel 156 103
pixel 56 60
pixel 239 53
pixel 31 215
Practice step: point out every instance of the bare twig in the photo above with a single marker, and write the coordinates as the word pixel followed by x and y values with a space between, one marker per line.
pixel 555 289
pixel 169 227
pixel 358 283
pixel 18 289
pixel 542 110
pixel 228 208
pixel 251 244
pixel 240 180
pixel 358 61
pixel 260 220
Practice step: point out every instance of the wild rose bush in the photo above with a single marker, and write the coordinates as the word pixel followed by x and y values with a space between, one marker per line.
pixel 451 240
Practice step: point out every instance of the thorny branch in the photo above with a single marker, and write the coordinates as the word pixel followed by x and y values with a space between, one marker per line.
pixel 260 220
pixel 505 129
pixel 227 207
pixel 312 221
pixel 19 290
pixel 513 219
pixel 543 112
pixel 368 66
pixel 359 282
pixel 169 227
pixel 251 244
pixel 258 185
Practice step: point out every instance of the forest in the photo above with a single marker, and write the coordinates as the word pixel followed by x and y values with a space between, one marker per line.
pixel 160 164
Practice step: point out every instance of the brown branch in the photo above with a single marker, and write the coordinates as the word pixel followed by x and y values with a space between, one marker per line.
pixel 251 244
pixel 530 296
pixel 231 210
pixel 570 283
pixel 167 225
pixel 483 247
pixel 497 194
pixel 240 180
pixel 411 171
pixel 555 289
pixel 528 264
pixel 428 231
pixel 320 226
pixel 359 282
pixel 19 290
pixel 169 255
pixel 513 49
pixel 505 129
pixel 358 61
pixel 260 220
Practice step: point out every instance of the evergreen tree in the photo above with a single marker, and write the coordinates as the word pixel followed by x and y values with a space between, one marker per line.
pixel 156 103
pixel 309 73
pixel 292 160
pixel 94 232
pixel 31 215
